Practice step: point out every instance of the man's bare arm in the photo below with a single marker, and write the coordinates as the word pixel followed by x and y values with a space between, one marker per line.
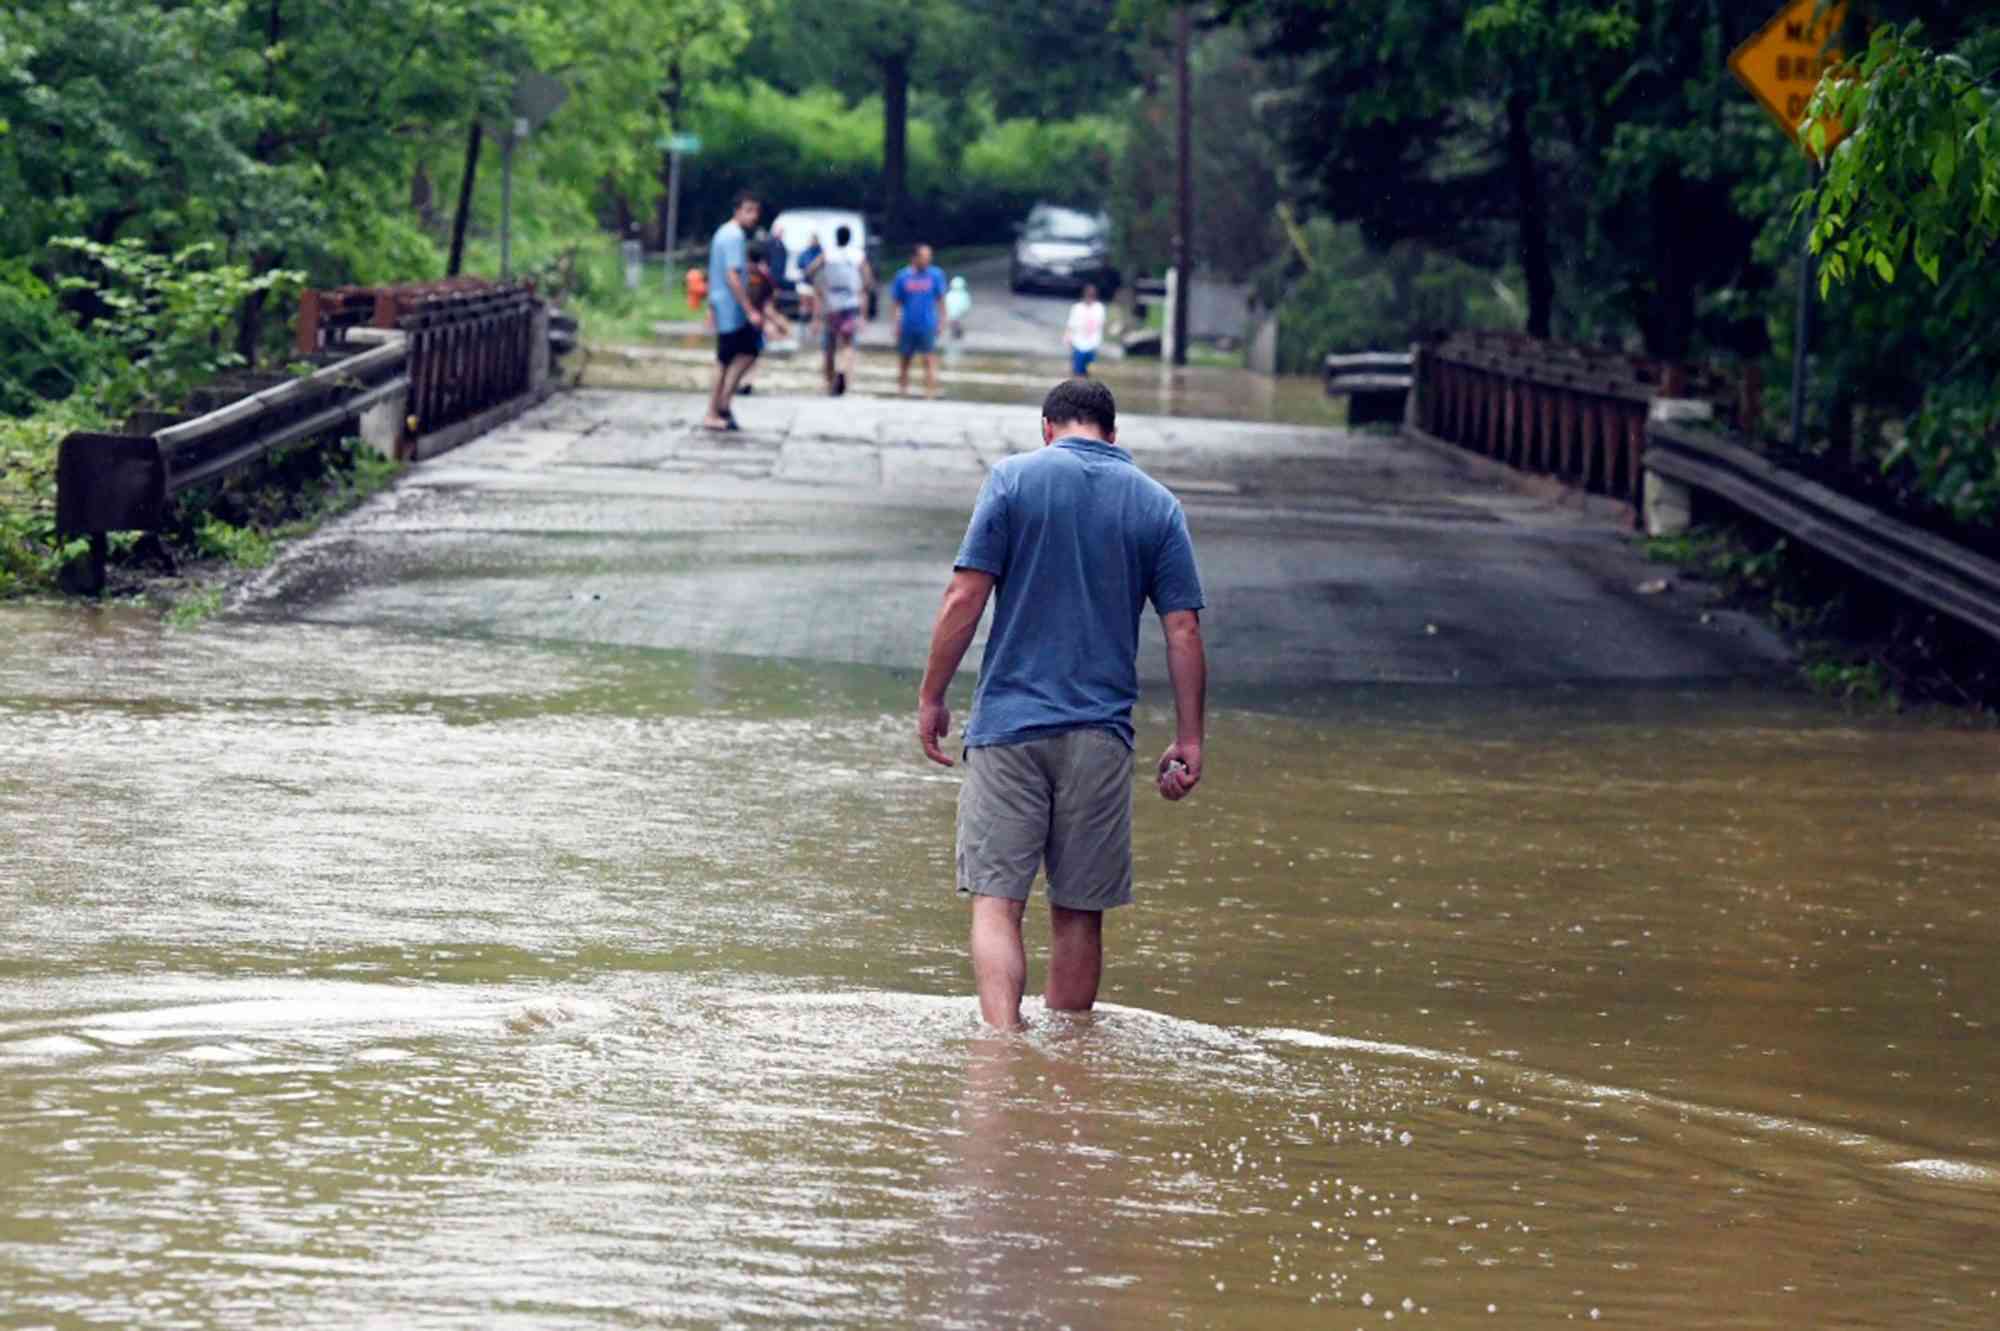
pixel 957 621
pixel 742 297
pixel 1187 667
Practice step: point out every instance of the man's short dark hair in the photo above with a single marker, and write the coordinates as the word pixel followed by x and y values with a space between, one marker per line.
pixel 842 234
pixel 744 196
pixel 1081 402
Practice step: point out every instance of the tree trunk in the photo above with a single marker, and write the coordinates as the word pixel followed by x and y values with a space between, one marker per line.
pixel 423 197
pixel 464 213
pixel 1534 217
pixel 895 139
pixel 250 319
pixel 1183 181
pixel 1668 323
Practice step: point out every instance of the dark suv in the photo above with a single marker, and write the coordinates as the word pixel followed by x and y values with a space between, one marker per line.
pixel 1061 249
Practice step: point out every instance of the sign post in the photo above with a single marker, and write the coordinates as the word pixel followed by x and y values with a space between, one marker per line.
pixel 677 146
pixel 536 98
pixel 1781 65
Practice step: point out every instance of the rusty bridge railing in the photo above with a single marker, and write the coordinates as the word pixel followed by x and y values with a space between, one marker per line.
pixel 1574 414
pixel 430 365
pixel 472 343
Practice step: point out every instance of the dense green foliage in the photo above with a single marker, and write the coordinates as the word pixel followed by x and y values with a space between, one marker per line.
pixel 1907 224
pixel 1349 297
pixel 1597 148
pixel 1605 156
pixel 968 182
pixel 29 554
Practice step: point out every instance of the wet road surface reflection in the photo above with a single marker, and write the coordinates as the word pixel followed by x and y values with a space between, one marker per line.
pixel 355 977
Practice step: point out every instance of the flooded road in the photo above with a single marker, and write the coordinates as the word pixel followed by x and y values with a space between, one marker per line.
pixel 685 363
pixel 360 977
pixel 526 907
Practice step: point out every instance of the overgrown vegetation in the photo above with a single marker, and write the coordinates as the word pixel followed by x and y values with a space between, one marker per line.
pixel 1907 224
pixel 30 557
pixel 1857 642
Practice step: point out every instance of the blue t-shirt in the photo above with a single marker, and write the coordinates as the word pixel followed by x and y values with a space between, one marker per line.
pixel 726 251
pixel 918 291
pixel 806 257
pixel 1078 539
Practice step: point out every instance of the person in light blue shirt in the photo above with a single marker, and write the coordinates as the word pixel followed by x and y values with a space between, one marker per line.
pixel 918 291
pixel 737 325
pixel 1072 542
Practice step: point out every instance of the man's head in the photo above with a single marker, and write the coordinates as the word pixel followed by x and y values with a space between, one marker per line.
pixel 1090 293
pixel 1079 407
pixel 757 251
pixel 745 209
pixel 922 257
pixel 843 236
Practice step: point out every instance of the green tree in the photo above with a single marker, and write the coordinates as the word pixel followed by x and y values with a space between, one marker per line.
pixel 1238 164
pixel 880 47
pixel 1906 221
pixel 116 116
pixel 1602 147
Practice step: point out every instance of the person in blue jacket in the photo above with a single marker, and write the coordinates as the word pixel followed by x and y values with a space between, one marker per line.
pixel 919 294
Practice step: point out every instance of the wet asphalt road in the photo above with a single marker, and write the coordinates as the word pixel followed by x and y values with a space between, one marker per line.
pixel 825 532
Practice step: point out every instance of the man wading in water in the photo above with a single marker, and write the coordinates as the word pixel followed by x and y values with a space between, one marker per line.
pixel 1076 539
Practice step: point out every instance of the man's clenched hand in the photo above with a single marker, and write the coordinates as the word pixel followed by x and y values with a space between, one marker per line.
pixel 1180 769
pixel 933 724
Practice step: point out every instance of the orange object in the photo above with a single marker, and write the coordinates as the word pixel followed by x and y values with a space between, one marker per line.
pixel 697 288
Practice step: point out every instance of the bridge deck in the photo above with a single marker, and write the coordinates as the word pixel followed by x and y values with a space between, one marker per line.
pixel 826 529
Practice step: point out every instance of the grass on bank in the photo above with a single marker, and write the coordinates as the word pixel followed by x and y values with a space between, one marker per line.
pixel 237 524
pixel 1858 643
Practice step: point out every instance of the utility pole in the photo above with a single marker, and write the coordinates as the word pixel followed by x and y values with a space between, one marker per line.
pixel 1184 201
pixel 671 234
pixel 517 129
pixel 1802 332
pixel 464 211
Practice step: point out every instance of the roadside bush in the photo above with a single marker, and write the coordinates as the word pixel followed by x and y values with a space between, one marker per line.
pixel 43 355
pixel 29 554
pixel 166 318
pixel 815 148
pixel 1335 294
pixel 1951 451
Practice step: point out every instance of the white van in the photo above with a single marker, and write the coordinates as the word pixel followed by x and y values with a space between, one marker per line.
pixel 796 228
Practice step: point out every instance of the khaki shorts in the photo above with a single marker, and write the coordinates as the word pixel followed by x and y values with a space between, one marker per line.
pixel 1064 800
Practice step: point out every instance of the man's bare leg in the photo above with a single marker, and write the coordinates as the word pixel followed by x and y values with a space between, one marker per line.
pixel 732 379
pixel 903 377
pixel 1076 958
pixel 999 960
pixel 717 403
pixel 930 374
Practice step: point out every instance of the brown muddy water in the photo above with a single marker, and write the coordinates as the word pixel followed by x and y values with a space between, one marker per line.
pixel 686 363
pixel 356 978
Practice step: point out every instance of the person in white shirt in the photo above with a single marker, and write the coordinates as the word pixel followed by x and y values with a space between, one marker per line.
pixel 843 273
pixel 1084 333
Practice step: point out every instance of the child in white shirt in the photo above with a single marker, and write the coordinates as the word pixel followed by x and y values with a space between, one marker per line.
pixel 1084 333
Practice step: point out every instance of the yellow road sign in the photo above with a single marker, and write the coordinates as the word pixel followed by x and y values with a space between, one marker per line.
pixel 1782 63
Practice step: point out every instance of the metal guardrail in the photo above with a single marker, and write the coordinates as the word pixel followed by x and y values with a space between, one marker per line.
pixel 1926 568
pixel 1574 414
pixel 1376 384
pixel 454 356
pixel 124 482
